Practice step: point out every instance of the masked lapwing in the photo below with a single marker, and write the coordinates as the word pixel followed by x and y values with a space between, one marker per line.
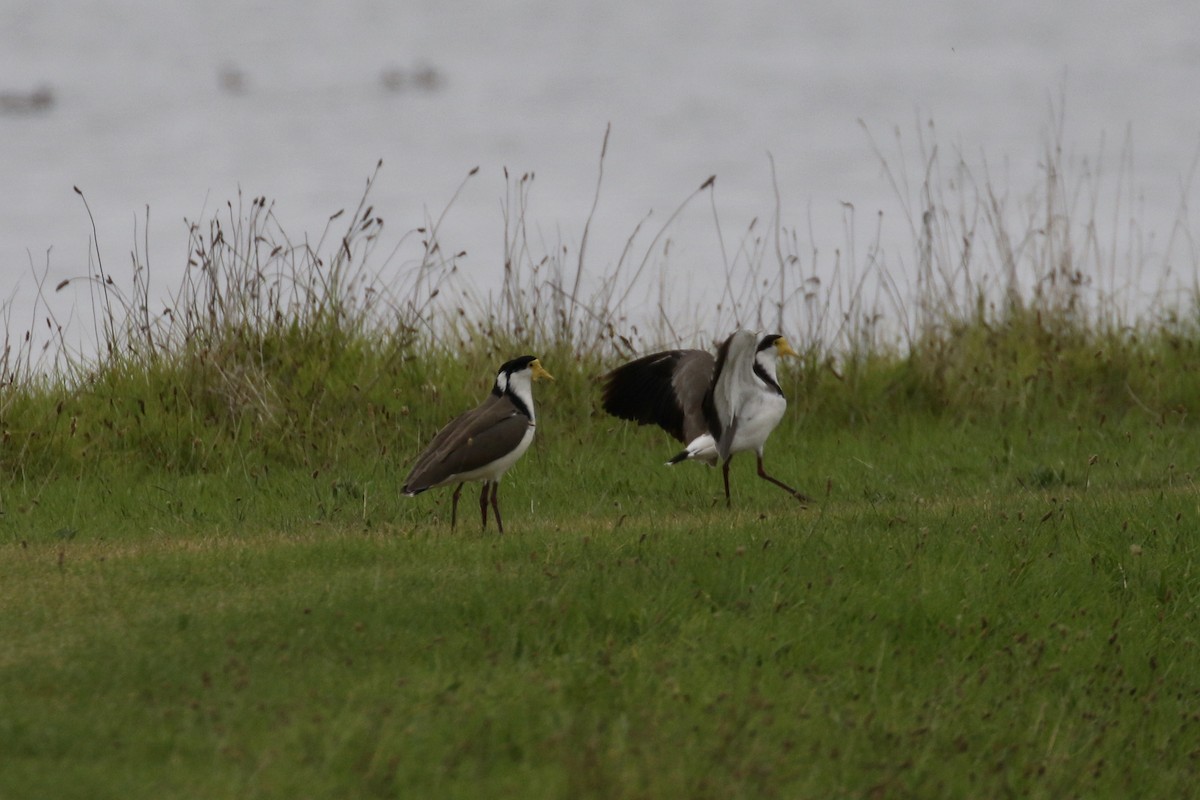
pixel 481 444
pixel 717 407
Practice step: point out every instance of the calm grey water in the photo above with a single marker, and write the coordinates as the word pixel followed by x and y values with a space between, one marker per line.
pixel 175 106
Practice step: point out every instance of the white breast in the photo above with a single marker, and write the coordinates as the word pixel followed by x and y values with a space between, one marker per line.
pixel 758 416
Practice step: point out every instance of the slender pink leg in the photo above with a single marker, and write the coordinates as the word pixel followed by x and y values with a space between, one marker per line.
pixel 496 504
pixel 725 475
pixel 483 503
pixel 762 473
pixel 454 506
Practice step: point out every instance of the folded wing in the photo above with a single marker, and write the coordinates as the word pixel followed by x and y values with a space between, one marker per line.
pixel 732 387
pixel 469 442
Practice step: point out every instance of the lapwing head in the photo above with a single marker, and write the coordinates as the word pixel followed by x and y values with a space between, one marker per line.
pixel 767 354
pixel 773 345
pixel 519 372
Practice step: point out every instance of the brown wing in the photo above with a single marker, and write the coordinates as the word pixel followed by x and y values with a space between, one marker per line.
pixel 470 441
pixel 664 389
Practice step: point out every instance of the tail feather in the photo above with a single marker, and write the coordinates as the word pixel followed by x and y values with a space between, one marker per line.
pixel 702 448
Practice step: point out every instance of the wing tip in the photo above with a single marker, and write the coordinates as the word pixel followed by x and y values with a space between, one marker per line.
pixel 641 391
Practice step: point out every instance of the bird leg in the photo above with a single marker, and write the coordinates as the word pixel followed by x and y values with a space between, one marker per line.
pixel 496 504
pixel 725 475
pixel 454 506
pixel 483 503
pixel 762 473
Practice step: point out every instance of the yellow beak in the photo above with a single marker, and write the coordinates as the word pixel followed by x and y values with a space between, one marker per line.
pixel 784 348
pixel 539 371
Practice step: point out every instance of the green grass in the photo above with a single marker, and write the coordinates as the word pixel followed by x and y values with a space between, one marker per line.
pixel 967 610
pixel 211 587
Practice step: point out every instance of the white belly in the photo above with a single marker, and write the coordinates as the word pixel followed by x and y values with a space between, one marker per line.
pixel 757 417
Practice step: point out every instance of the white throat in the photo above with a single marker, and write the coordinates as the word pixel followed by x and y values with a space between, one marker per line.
pixel 767 359
pixel 520 384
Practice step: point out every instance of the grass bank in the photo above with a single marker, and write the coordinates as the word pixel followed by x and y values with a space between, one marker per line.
pixel 967 610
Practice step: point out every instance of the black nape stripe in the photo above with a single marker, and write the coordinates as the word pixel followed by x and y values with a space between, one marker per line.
pixel 520 404
pixel 767 379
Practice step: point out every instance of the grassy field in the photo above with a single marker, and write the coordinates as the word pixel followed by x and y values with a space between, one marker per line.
pixel 211 587
pixel 970 609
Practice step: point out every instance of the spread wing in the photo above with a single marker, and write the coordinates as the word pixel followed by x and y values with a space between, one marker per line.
pixel 470 441
pixel 665 389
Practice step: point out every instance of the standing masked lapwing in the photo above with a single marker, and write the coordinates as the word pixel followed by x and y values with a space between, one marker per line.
pixel 481 444
pixel 716 406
